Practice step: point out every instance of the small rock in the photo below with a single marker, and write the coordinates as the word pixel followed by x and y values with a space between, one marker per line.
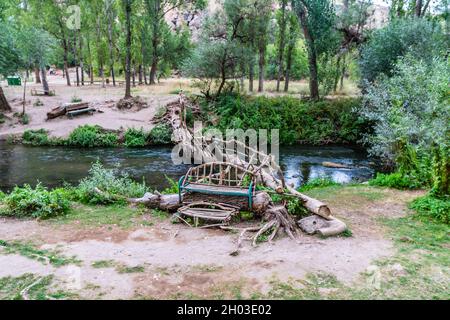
pixel 397 270
pixel 327 291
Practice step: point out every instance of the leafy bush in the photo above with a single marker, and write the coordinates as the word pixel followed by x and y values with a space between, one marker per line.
pixel 318 183
pixel 419 37
pixel 395 180
pixel 160 134
pixel 410 117
pixel 37 203
pixel 135 138
pixel 429 207
pixel 91 136
pixel 114 187
pixel 35 137
pixel 25 119
pixel 2 196
pixel 173 189
pixel 334 121
pixel 76 99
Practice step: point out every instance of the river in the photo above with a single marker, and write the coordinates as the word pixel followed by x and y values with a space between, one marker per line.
pixel 55 165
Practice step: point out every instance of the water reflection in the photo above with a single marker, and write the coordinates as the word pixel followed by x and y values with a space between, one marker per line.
pixel 54 166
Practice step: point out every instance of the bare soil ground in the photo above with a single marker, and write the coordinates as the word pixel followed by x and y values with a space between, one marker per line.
pixel 102 99
pixel 164 260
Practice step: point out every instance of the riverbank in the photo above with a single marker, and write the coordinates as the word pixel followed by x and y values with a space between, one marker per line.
pixel 134 253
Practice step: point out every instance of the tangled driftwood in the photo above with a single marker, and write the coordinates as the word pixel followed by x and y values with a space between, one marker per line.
pixel 265 169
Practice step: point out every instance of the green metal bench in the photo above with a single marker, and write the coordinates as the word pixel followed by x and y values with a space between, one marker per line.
pixel 221 179
pixel 73 113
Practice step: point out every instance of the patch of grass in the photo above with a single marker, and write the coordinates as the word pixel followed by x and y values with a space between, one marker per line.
pixel 116 215
pixel 30 251
pixel 318 183
pixel 429 207
pixel 38 103
pixel 76 99
pixel 126 269
pixel 207 268
pixel 395 180
pixel 103 264
pixel 11 288
pixel 25 119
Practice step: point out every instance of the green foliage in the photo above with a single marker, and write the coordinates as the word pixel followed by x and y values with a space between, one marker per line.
pixel 395 180
pixel 91 136
pixel 37 203
pixel 318 183
pixel 430 207
pixel 113 187
pixel 36 137
pixel 135 138
pixel 9 55
pixel 76 99
pixel 160 134
pixel 32 252
pixel 25 119
pixel 421 38
pixel 173 189
pixel 410 121
pixel 299 68
pixel 334 121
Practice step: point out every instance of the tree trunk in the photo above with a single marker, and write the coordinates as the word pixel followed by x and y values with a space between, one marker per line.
pixel 153 70
pixel 81 60
pixel 288 67
pixel 66 61
pixel 37 75
pixel 140 74
pixel 44 81
pixel 134 76
pixel 312 57
pixel 282 43
pixel 110 43
pixel 75 48
pixel 262 62
pixel 128 50
pixel 418 8
pixel 251 76
pixel 145 75
pixel 4 105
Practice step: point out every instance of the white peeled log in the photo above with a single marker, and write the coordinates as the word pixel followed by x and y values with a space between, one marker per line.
pixel 168 202
pixel 318 225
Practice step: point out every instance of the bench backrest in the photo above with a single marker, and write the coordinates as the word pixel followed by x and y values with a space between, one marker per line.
pixel 220 173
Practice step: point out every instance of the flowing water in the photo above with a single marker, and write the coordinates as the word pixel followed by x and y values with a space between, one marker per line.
pixel 55 165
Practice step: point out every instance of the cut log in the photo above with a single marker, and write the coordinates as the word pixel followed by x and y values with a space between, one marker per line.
pixel 335 165
pixel 318 225
pixel 165 202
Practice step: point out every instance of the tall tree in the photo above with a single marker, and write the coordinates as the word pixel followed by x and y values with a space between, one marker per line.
pixel 127 7
pixel 317 21
pixel 282 40
pixel 111 15
pixel 9 61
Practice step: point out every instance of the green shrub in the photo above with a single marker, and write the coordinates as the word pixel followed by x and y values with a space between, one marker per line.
pixel 135 138
pixel 2 196
pixel 432 208
pixel 173 189
pixel 91 136
pixel 2 118
pixel 114 187
pixel 35 137
pixel 395 180
pixel 76 99
pixel 328 121
pixel 25 119
pixel 160 134
pixel 318 183
pixel 37 203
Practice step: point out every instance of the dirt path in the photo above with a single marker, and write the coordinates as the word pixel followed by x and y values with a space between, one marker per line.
pixel 102 99
pixel 169 261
